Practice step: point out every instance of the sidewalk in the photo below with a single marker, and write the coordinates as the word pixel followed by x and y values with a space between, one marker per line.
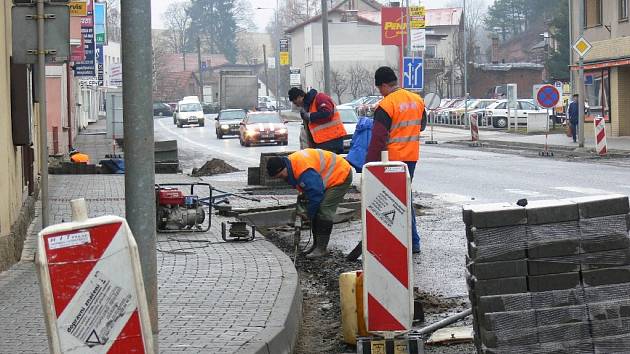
pixel 561 141
pixel 214 297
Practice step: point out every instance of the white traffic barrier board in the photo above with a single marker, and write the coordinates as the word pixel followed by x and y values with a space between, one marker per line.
pixel 387 262
pixel 92 290
pixel 600 136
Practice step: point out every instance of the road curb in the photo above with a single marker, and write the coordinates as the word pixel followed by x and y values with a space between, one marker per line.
pixel 584 152
pixel 281 333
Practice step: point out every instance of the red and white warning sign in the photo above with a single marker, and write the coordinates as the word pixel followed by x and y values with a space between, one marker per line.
pixel 92 288
pixel 387 263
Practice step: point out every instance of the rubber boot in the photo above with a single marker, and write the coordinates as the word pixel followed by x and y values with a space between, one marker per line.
pixel 321 232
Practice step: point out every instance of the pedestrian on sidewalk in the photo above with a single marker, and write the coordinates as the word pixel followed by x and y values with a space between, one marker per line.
pixel 322 178
pixel 322 123
pixel 397 126
pixel 574 116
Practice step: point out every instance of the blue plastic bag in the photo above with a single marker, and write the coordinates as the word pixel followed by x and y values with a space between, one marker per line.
pixel 360 143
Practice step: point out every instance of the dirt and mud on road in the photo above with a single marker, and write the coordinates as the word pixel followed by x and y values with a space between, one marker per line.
pixel 321 327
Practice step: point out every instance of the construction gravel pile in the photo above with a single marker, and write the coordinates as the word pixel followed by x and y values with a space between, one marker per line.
pixel 213 167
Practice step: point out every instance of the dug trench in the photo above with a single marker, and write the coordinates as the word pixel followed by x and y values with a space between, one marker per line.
pixel 320 330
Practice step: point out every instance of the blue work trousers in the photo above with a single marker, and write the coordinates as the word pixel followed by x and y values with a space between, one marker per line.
pixel 415 236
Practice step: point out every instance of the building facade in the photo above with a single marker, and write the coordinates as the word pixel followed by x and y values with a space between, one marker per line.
pixel 18 146
pixel 607 64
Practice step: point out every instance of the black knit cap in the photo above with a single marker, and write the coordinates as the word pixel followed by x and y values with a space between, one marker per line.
pixel 274 166
pixel 295 92
pixel 384 75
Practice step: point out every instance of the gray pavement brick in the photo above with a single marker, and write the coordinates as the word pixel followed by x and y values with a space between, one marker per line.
pixel 215 299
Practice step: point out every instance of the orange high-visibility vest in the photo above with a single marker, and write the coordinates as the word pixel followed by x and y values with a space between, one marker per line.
pixel 327 130
pixel 405 109
pixel 80 158
pixel 333 168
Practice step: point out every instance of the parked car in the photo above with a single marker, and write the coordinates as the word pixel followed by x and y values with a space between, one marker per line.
pixel 263 127
pixel 161 109
pixel 498 112
pixel 210 108
pixel 355 103
pixel 476 106
pixel 349 119
pixel 367 108
pixel 228 122
pixel 188 112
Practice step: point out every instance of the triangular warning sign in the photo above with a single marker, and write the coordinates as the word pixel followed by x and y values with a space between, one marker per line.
pixel 390 215
pixel 93 339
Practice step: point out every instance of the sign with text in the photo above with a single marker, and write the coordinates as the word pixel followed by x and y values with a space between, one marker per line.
pixel 78 8
pixel 295 78
pixel 99 63
pixel 100 22
pixel 284 58
pixel 87 68
pixel 417 23
pixel 393 26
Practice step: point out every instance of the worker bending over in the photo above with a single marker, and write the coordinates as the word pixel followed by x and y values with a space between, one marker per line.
pixel 322 178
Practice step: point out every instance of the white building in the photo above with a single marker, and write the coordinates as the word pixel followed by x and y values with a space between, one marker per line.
pixel 112 64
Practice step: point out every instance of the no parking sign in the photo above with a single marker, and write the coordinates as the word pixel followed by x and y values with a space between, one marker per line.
pixel 547 96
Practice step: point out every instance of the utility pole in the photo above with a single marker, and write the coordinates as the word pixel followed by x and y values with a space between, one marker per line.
pixel 326 47
pixel 266 75
pixel 571 40
pixel 277 57
pixel 139 143
pixel 200 68
pixel 465 65
pixel 43 119
pixel 580 81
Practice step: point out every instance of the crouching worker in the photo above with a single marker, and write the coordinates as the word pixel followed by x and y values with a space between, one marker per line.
pixel 322 178
pixel 78 157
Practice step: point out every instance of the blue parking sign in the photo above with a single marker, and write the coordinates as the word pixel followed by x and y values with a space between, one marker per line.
pixel 413 77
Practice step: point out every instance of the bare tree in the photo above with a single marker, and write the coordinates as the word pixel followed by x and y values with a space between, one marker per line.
pixel 339 83
pixel 159 65
pixel 177 23
pixel 249 49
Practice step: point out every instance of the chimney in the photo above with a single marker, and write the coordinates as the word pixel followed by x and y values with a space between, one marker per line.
pixel 494 56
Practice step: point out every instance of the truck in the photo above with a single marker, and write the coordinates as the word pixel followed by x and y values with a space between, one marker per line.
pixel 238 89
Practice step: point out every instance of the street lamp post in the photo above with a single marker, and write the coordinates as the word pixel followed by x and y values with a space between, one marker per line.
pixel 277 40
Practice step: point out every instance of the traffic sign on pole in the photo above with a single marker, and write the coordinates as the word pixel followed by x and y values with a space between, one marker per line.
pixel 582 47
pixel 413 73
pixel 92 290
pixel 387 263
pixel 547 96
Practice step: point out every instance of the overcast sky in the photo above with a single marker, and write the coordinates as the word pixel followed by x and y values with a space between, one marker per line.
pixel 262 17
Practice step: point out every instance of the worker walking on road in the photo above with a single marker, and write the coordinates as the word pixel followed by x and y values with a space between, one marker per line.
pixel 325 128
pixel 322 178
pixel 397 126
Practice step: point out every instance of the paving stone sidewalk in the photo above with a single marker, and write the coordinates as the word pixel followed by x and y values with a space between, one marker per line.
pixel 214 297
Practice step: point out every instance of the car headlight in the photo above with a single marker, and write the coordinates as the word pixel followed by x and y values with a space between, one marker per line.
pixel 251 132
pixel 282 131
pixel 225 126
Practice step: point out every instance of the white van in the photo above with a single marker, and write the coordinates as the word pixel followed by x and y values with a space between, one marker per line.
pixel 188 111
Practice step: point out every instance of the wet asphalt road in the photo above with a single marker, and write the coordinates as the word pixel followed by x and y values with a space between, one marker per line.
pixel 446 178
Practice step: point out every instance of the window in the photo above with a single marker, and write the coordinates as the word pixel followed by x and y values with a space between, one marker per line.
pixel 597 94
pixel 592 13
pixel 623 9
pixel 527 106
pixel 430 51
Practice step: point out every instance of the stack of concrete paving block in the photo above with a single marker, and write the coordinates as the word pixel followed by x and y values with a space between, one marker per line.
pixel 551 277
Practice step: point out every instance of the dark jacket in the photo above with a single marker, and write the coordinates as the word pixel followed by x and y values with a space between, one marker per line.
pixel 574 112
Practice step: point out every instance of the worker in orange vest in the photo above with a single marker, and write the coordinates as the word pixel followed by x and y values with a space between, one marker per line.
pixel 322 178
pixel 397 125
pixel 79 157
pixel 319 115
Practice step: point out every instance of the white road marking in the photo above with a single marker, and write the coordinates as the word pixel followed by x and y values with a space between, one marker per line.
pixel 237 157
pixel 526 192
pixel 582 190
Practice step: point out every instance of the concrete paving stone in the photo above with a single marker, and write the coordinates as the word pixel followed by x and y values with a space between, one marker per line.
pixel 612 344
pixel 495 215
pixel 606 243
pixel 510 237
pixel 541 267
pixel 556 249
pixel 549 282
pixel 511 338
pixel 513 285
pixel 551 211
pixel 606 276
pixel 609 310
pixel 604 259
pixel 504 321
pixel 570 332
pixel 494 253
pixel 602 205
pixel 502 269
pixel 610 328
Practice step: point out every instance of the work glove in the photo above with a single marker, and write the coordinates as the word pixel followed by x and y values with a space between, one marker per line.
pixel 305 115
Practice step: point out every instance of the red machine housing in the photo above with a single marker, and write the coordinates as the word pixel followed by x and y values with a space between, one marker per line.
pixel 170 196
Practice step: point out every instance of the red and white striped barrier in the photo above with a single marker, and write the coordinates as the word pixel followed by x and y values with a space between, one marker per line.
pixel 474 127
pixel 387 262
pixel 600 136
pixel 92 289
